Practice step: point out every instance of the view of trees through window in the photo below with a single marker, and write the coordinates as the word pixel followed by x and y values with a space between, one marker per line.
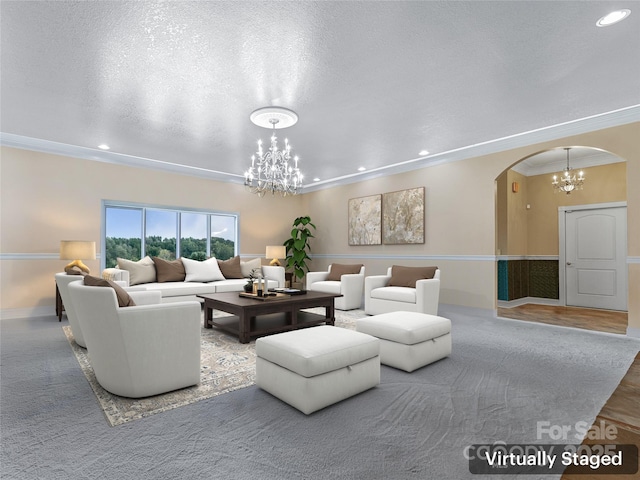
pixel 168 234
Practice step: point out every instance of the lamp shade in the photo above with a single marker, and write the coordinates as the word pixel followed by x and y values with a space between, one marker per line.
pixel 276 251
pixel 77 250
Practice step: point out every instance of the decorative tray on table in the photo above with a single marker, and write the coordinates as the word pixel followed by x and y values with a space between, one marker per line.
pixel 288 291
pixel 270 296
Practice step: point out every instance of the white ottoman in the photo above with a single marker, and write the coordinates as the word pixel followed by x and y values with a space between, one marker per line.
pixel 409 340
pixel 315 367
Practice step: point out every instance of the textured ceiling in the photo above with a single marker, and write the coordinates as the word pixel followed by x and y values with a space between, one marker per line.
pixel 373 83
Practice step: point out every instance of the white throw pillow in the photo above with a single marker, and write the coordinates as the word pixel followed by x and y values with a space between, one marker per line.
pixel 207 271
pixel 142 271
pixel 249 265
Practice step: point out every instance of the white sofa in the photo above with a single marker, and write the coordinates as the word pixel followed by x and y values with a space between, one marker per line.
pixel 138 351
pixel 350 286
pixel 380 298
pixel 185 291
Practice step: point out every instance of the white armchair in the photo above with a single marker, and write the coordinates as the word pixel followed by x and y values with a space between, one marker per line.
pixel 139 295
pixel 141 350
pixel 380 298
pixel 349 285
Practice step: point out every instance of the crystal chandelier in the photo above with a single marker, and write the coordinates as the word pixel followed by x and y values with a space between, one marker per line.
pixel 272 170
pixel 568 182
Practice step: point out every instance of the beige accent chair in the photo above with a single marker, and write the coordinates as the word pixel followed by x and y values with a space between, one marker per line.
pixel 141 350
pixel 380 298
pixel 350 286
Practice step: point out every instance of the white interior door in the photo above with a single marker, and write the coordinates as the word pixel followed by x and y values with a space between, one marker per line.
pixel 595 257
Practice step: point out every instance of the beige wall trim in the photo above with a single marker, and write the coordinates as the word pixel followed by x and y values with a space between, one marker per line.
pixel 33 256
pixel 633 259
pixel 464 258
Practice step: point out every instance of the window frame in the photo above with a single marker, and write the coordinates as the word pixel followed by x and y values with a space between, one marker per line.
pixel 143 207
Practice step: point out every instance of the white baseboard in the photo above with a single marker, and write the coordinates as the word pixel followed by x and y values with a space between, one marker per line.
pixel 27 312
pixel 633 332
pixel 526 300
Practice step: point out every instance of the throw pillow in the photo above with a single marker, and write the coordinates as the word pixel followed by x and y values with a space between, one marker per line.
pixel 337 270
pixel 142 271
pixel 124 300
pixel 408 276
pixel 169 271
pixel 231 268
pixel 207 271
pixel 249 265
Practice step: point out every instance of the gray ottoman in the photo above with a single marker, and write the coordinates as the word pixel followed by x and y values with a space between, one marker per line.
pixel 409 340
pixel 316 367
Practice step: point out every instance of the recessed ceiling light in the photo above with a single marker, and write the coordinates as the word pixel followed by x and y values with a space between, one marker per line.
pixel 316 179
pixel 361 169
pixel 613 17
pixel 103 146
pixel 422 153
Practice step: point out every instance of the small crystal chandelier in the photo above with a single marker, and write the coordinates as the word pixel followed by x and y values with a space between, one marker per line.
pixel 567 182
pixel 272 170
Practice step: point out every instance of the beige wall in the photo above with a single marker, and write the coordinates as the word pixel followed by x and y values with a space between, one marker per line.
pixel 462 213
pixel 517 219
pixel 534 230
pixel 46 198
pixel 603 184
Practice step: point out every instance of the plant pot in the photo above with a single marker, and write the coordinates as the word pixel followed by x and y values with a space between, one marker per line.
pixel 248 288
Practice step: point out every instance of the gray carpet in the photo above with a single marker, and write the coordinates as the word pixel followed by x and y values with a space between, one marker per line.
pixel 502 378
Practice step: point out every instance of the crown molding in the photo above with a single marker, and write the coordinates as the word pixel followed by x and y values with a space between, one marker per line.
pixel 614 118
pixel 84 153
pixel 601 121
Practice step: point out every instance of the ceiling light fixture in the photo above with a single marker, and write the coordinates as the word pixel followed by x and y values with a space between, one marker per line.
pixel 613 17
pixel 567 182
pixel 361 169
pixel 103 146
pixel 271 171
pixel 423 153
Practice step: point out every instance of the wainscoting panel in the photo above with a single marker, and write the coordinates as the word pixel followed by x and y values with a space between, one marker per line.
pixel 521 278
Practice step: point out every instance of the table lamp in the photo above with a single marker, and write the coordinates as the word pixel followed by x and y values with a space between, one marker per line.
pixel 77 250
pixel 275 252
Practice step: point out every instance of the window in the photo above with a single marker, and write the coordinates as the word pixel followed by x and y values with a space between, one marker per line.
pixel 193 235
pixel 168 233
pixel 160 233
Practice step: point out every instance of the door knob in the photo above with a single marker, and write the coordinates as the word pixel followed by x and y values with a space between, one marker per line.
pixel 568 263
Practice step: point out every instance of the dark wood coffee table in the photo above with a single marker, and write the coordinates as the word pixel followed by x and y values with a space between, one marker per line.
pixel 261 317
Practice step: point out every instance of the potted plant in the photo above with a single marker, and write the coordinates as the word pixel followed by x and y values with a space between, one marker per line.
pixel 298 245
pixel 253 274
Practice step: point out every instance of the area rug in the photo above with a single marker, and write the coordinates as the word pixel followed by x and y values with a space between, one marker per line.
pixel 225 365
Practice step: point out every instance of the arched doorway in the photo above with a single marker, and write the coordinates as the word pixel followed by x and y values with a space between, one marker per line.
pixel 531 280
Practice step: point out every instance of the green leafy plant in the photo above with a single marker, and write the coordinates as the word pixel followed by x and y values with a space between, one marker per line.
pixel 298 245
pixel 253 274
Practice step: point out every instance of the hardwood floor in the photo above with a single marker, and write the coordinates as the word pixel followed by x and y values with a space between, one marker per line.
pixel 622 410
pixel 586 318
